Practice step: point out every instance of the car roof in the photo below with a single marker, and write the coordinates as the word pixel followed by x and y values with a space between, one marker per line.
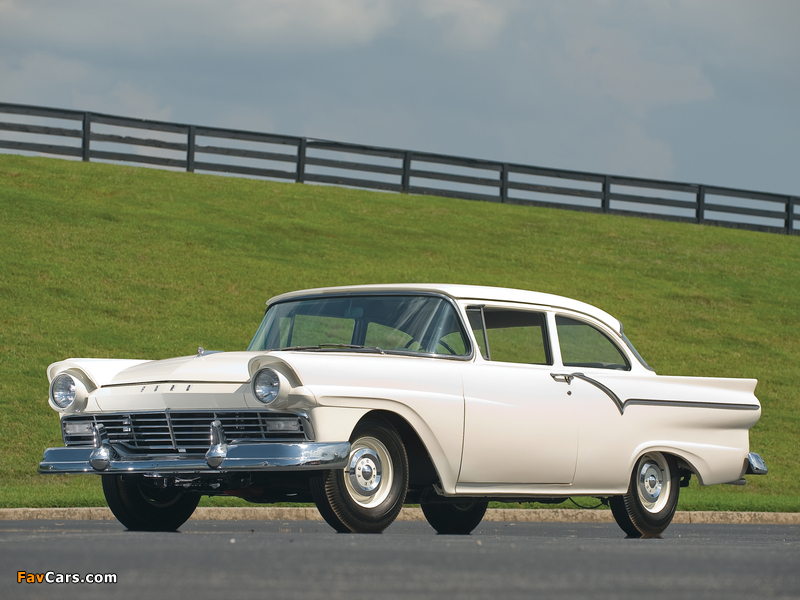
pixel 476 293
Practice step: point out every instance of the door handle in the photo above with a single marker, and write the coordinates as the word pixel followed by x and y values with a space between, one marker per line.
pixel 562 377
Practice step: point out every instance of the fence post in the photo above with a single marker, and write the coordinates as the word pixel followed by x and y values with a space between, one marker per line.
pixel 504 183
pixel 87 136
pixel 606 199
pixel 301 161
pixel 190 149
pixel 790 204
pixel 700 211
pixel 405 178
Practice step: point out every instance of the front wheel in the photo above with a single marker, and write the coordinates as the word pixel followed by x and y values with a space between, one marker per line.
pixel 143 508
pixel 454 519
pixel 652 496
pixel 367 496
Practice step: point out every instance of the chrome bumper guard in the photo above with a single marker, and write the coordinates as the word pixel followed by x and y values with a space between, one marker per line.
pixel 106 458
pixel 755 465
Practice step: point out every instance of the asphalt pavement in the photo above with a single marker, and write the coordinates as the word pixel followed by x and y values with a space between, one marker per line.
pixel 306 559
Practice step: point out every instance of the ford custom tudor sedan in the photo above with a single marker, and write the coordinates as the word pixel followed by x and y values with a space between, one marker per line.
pixel 363 398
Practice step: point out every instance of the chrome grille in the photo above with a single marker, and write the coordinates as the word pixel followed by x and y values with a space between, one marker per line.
pixel 184 431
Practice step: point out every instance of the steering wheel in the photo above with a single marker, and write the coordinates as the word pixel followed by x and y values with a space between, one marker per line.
pixel 439 343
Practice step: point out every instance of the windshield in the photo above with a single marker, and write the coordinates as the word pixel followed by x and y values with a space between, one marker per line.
pixel 416 324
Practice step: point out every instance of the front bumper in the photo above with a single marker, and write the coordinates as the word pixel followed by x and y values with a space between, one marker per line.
pixel 108 458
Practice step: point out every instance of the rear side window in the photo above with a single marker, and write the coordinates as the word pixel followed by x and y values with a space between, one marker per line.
pixel 514 336
pixel 583 345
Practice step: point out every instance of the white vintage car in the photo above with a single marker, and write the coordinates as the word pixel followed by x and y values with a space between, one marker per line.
pixel 364 398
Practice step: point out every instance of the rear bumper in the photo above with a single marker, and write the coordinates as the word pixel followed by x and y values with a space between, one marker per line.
pixel 108 458
pixel 755 465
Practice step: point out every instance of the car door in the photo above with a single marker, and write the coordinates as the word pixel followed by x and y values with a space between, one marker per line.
pixel 520 427
pixel 596 371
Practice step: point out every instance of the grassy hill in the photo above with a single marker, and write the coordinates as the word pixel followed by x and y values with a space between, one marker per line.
pixel 113 261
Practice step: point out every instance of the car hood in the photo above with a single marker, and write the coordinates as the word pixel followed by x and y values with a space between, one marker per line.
pixel 214 367
pixel 210 367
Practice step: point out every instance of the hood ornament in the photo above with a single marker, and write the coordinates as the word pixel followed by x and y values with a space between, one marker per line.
pixel 201 352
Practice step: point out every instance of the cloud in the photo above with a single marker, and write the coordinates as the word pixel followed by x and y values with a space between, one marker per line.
pixel 469 24
pixel 38 76
pixel 626 86
pixel 54 81
pixel 599 61
pixel 124 99
pixel 148 25
pixel 347 22
pixel 755 31
pixel 637 153
pixel 10 8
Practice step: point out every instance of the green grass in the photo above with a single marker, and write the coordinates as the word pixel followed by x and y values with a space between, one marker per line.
pixel 113 261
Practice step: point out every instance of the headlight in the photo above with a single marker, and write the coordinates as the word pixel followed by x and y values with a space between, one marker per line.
pixel 67 392
pixel 266 386
pixel 62 391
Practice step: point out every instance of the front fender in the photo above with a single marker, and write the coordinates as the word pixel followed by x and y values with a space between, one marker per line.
pixel 338 422
pixel 98 371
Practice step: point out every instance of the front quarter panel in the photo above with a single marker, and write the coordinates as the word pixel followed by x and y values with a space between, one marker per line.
pixel 426 392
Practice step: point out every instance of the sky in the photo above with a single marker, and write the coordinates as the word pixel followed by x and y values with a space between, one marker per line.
pixel 696 91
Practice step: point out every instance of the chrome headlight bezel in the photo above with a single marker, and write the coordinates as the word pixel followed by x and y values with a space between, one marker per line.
pixel 67 393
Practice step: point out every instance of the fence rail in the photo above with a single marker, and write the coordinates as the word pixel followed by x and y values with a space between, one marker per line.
pixel 196 148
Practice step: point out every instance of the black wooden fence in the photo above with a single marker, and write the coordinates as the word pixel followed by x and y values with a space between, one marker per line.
pixel 307 160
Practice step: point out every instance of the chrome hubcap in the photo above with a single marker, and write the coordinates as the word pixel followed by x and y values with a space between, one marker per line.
pixel 650 481
pixel 365 471
pixel 369 474
pixel 652 490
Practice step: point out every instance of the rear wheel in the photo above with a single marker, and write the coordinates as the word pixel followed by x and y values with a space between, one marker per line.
pixel 652 496
pixel 454 519
pixel 617 504
pixel 144 508
pixel 367 496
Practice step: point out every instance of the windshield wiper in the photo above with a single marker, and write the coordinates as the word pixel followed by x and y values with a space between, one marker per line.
pixel 336 347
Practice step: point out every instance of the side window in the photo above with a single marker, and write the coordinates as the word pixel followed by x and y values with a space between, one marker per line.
pixel 517 336
pixel 585 346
